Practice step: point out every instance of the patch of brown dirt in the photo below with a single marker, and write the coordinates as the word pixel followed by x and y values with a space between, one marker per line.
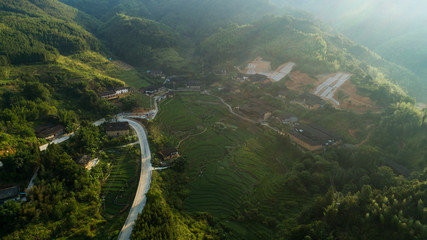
pixel 300 81
pixel 353 101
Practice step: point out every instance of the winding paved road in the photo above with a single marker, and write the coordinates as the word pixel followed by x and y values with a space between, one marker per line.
pixel 144 179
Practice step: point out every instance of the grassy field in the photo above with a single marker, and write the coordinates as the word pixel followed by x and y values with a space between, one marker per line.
pixel 119 190
pixel 232 167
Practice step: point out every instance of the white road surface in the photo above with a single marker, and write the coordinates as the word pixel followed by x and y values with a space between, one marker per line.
pixel 144 180
pixel 146 168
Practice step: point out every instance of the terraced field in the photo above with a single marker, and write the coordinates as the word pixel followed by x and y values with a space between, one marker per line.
pixel 232 167
pixel 119 190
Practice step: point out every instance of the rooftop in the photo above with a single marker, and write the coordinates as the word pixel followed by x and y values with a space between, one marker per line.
pixel 9 192
pixel 310 99
pixel 315 135
pixel 46 131
pixel 167 152
pixel 118 126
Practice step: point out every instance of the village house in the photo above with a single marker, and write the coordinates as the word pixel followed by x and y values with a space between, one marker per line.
pixel 150 90
pixel 257 78
pixel 313 137
pixel 87 162
pixel 9 193
pixel 282 94
pixel 171 94
pixel 310 100
pixel 114 93
pixel 168 153
pixel 194 85
pixel 49 132
pixel 156 73
pixel 116 129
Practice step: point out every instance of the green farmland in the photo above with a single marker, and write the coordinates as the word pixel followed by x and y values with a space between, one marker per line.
pixel 231 169
pixel 119 189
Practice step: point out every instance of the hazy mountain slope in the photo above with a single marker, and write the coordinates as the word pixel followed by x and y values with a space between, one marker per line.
pixel 409 50
pixel 289 39
pixel 394 29
pixel 143 43
pixel 190 17
pixel 52 8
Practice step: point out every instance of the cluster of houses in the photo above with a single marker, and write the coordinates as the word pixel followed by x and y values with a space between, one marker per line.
pixel 114 93
pixel 49 132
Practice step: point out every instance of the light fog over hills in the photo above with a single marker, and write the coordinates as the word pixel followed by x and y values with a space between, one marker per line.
pixel 394 29
pixel 213 119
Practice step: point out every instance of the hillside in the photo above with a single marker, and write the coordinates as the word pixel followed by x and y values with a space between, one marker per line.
pixel 280 127
pixel 143 43
pixel 282 39
pixel 394 29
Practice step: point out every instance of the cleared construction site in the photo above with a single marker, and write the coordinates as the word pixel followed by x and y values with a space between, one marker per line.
pixel 259 66
pixel 328 88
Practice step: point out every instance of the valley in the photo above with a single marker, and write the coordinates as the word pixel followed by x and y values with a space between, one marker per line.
pixel 255 120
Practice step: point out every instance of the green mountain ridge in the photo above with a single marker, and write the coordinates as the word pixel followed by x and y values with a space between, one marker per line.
pixel 237 177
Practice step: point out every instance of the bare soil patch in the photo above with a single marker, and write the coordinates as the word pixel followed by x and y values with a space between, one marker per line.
pixel 353 101
pixel 300 82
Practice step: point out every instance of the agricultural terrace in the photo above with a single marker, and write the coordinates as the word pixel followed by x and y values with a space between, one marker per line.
pixel 119 189
pixel 233 166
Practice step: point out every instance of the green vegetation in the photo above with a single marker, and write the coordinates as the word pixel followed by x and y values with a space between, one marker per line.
pixel 64 202
pixel 235 179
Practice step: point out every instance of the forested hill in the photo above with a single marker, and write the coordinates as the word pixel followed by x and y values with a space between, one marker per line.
pixel 315 51
pixel 394 29
pixel 37 31
pixel 190 17
pixel 236 28
pixel 56 57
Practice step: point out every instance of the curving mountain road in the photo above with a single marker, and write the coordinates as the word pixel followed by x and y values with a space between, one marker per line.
pixel 144 179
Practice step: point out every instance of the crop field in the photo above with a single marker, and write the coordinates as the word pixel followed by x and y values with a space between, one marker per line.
pixel 133 78
pixel 119 190
pixel 229 166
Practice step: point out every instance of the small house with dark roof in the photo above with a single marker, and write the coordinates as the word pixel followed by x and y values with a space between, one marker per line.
pixel 156 73
pixel 194 85
pixel 9 193
pixel 49 132
pixel 311 100
pixel 171 94
pixel 282 94
pixel 87 161
pixel 313 137
pixel 168 153
pixel 110 94
pixel 257 78
pixel 116 129
pixel 152 89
